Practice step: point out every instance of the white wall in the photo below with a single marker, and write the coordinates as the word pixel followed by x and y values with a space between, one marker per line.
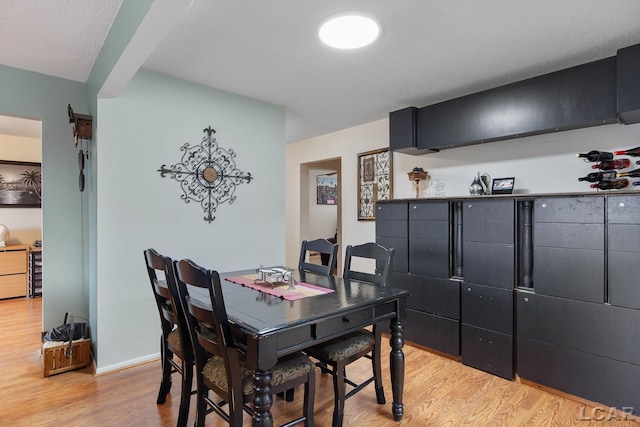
pixel 344 145
pixel 541 164
pixel 25 224
pixel 138 132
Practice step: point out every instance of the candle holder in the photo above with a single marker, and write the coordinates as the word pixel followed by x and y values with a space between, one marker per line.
pixel 416 175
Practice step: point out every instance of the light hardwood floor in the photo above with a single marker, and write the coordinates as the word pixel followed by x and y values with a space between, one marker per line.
pixel 438 392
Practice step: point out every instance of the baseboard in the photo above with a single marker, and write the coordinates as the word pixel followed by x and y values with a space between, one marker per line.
pixel 126 364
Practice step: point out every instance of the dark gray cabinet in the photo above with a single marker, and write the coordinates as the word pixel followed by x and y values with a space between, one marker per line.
pixel 574 261
pixel 568 247
pixel 392 230
pixel 488 253
pixel 563 100
pixel 587 349
pixel 623 270
pixel 628 84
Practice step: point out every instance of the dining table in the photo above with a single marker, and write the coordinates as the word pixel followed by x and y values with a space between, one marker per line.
pixel 273 320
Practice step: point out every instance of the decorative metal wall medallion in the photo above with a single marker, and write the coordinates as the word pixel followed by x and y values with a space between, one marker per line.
pixel 207 174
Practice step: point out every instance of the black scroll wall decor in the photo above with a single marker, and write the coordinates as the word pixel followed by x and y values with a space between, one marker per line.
pixel 207 174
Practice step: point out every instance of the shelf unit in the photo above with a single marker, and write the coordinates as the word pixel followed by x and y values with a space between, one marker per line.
pixel 35 272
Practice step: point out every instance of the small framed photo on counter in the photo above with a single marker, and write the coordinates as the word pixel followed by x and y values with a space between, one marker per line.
pixel 502 185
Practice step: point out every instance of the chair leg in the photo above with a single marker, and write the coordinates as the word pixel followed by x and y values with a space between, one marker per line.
pixel 377 375
pixel 185 395
pixel 289 395
pixel 201 406
pixel 309 400
pixel 339 393
pixel 165 385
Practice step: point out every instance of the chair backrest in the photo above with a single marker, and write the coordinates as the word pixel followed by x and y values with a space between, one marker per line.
pixel 208 324
pixel 322 246
pixel 161 277
pixel 384 263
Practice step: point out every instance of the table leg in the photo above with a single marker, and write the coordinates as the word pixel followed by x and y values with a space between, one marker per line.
pixel 262 399
pixel 396 362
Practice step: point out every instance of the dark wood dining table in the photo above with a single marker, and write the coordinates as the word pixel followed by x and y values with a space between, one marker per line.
pixel 271 327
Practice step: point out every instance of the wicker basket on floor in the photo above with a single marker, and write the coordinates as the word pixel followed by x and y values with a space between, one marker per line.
pixel 55 360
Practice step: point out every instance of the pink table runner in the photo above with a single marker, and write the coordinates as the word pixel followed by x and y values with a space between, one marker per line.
pixel 302 290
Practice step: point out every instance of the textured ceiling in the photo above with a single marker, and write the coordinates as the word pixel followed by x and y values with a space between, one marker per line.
pixel 429 50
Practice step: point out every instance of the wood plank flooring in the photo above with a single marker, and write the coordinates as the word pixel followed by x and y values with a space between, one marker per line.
pixel 438 392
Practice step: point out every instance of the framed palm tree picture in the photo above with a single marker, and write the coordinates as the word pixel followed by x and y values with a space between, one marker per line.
pixel 20 184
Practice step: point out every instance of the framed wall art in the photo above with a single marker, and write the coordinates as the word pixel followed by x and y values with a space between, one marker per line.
pixel 375 181
pixel 20 184
pixel 327 189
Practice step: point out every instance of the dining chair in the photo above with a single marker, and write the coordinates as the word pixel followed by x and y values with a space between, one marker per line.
pixel 221 365
pixel 322 246
pixel 175 339
pixel 336 354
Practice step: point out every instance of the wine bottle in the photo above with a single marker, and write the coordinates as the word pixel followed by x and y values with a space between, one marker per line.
pixel 596 156
pixel 611 184
pixel 606 165
pixel 633 174
pixel 599 176
pixel 635 152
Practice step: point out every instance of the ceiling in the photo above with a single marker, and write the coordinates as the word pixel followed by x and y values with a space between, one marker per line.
pixel 429 50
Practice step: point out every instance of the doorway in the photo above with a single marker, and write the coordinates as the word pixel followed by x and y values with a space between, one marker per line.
pixel 21 146
pixel 320 214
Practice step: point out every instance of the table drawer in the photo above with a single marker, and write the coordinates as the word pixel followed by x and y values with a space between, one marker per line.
pixel 346 321
pixel 14 285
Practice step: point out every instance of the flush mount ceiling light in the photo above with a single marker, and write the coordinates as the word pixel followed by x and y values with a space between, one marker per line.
pixel 348 31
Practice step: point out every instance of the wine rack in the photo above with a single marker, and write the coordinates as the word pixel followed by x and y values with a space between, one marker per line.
pixel 613 173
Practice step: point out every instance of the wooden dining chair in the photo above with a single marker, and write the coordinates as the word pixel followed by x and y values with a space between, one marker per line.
pixel 175 339
pixel 336 354
pixel 322 246
pixel 221 366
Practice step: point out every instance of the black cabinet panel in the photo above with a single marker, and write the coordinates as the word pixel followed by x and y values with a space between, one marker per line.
pixel 489 264
pixel 438 333
pixel 496 210
pixel 429 257
pixel 391 211
pixel 489 232
pixel 583 210
pixel 401 259
pixel 430 294
pixel 569 273
pixel 624 273
pixel 628 84
pixel 624 237
pixel 392 228
pixel 403 131
pixel 567 235
pixel 601 329
pixel 487 350
pixel 599 379
pixel 623 209
pixel 566 99
pixel 487 308
pixel 438 230
pixel 429 211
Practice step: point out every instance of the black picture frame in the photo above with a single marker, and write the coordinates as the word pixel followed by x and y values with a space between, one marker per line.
pixel 503 185
pixel 20 184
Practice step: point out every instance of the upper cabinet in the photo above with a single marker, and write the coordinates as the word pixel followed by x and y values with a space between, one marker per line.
pixel 577 97
pixel 597 93
pixel 629 84
pixel 403 132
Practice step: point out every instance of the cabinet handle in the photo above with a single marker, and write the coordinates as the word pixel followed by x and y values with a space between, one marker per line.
pixel 346 320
